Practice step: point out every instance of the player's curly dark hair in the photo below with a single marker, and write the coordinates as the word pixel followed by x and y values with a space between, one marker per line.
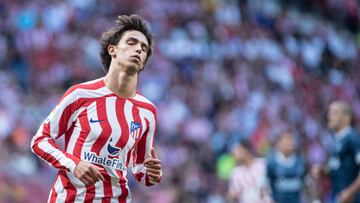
pixel 113 36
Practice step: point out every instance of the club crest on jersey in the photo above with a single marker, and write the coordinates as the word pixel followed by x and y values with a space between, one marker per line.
pixel 135 130
pixel 113 151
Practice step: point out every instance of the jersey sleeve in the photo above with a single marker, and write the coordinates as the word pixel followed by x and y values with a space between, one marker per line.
pixel 143 149
pixel 55 125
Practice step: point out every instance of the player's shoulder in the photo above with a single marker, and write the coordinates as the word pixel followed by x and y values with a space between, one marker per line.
pixel 84 90
pixel 143 102
pixel 89 85
pixel 141 98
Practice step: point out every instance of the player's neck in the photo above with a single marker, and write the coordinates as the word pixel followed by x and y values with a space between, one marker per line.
pixel 121 83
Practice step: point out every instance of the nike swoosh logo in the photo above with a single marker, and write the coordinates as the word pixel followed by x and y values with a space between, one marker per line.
pixel 95 121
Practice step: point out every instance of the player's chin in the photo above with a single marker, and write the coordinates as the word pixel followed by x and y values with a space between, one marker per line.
pixel 133 67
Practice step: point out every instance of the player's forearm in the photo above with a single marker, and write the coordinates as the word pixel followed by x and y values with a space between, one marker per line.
pixel 45 148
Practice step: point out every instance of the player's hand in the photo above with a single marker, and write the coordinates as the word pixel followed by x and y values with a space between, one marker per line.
pixel 153 168
pixel 88 173
pixel 346 196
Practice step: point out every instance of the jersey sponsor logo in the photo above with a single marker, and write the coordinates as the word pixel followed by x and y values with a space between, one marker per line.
pixel 103 160
pixel 95 121
pixel 135 130
pixel 112 150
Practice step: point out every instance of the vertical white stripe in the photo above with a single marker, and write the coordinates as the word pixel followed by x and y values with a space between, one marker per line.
pixel 113 121
pixel 149 139
pixel 73 138
pixel 51 191
pixel 94 131
pixel 49 197
pixel 80 187
pixel 61 192
pixel 129 118
pixel 97 200
pixel 99 191
pixel 115 184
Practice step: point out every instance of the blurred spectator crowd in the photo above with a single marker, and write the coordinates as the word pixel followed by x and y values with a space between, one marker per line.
pixel 221 70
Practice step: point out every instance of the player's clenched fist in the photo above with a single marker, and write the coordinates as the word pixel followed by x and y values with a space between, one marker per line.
pixel 153 168
pixel 88 173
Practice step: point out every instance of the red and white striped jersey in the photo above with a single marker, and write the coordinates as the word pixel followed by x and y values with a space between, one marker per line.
pixel 102 128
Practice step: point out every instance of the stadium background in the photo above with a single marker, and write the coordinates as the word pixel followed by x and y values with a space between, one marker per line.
pixel 222 70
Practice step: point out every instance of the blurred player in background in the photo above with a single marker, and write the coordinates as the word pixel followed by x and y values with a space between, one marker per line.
pixel 106 124
pixel 286 170
pixel 247 183
pixel 344 158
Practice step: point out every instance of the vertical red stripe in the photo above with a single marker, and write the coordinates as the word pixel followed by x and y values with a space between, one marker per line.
pixel 102 140
pixel 69 110
pixel 85 130
pixel 105 126
pixel 68 135
pixel 120 115
pixel 141 146
pixel 123 140
pixel 107 187
pixel 124 190
pixel 90 194
pixel 68 186
pixel 137 118
pixel 128 157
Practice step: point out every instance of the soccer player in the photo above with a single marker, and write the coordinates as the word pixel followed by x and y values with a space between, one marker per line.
pixel 106 123
pixel 247 182
pixel 286 170
pixel 344 159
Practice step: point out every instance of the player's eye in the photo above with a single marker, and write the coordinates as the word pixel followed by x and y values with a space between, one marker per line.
pixel 144 48
pixel 131 42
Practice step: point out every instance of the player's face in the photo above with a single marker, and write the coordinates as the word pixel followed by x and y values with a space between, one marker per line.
pixel 131 51
pixel 286 144
pixel 335 117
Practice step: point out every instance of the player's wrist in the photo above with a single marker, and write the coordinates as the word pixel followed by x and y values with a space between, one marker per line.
pixel 73 166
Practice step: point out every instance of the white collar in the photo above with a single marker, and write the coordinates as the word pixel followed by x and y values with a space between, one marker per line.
pixel 342 133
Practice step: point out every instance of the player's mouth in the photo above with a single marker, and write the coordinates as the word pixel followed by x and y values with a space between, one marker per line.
pixel 136 57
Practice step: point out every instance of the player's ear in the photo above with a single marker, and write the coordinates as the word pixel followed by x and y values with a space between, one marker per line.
pixel 112 50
